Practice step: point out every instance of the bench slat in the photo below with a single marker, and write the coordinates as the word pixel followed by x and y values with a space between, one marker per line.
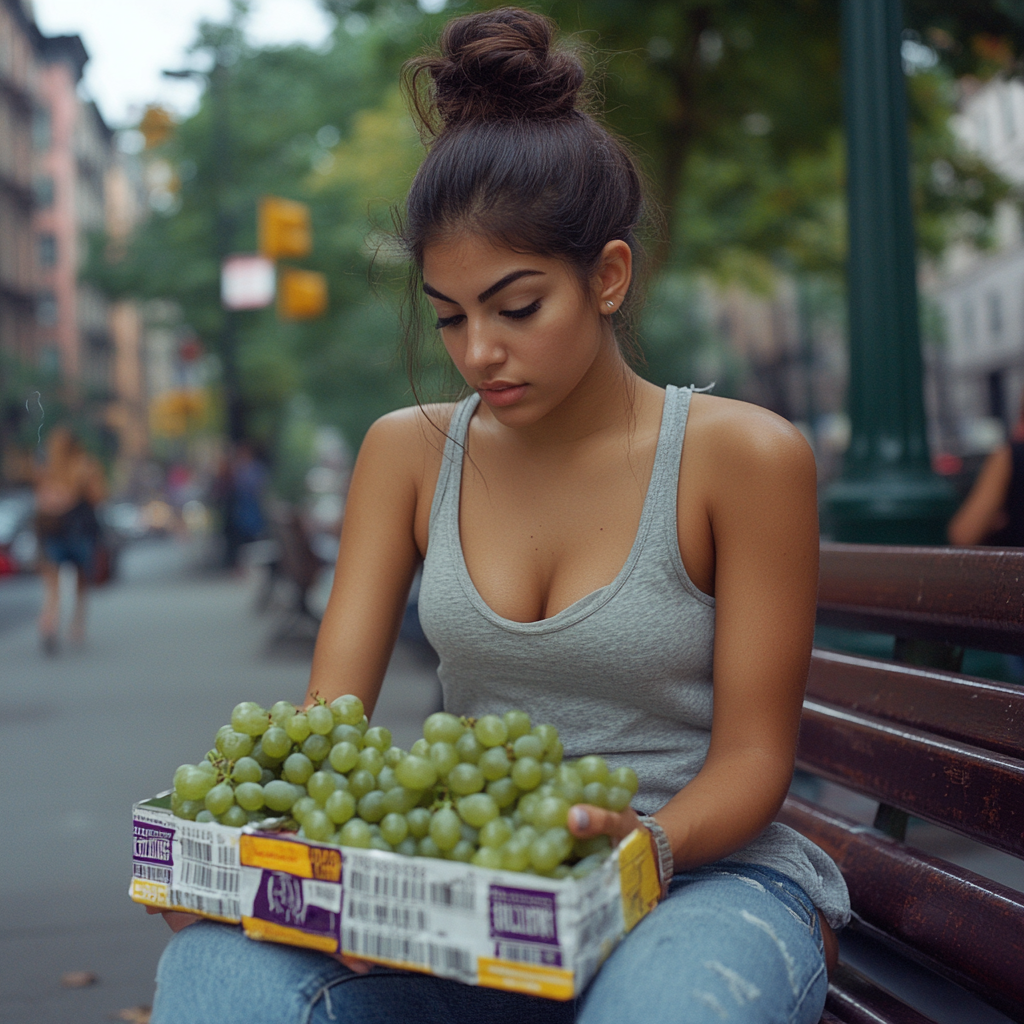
pixel 968 596
pixel 977 711
pixel 854 999
pixel 970 790
pixel 966 927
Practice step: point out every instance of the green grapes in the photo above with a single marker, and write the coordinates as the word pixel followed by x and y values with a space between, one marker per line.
pixel 320 719
pixel 494 792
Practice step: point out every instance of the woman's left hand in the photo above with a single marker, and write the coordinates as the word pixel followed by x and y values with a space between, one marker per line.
pixel 587 821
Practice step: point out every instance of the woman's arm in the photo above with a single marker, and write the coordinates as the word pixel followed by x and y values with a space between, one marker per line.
pixel 377 558
pixel 983 509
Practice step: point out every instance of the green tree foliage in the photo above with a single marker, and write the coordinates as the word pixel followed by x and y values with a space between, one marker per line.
pixel 322 127
pixel 735 108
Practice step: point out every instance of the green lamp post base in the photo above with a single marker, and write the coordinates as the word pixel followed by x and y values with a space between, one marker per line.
pixel 898 507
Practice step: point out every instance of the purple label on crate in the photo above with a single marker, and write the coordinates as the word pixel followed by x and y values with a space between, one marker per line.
pixel 299 903
pixel 151 843
pixel 523 915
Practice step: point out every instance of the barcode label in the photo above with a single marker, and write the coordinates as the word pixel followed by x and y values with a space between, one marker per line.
pixel 206 904
pixel 204 876
pixel 194 849
pixel 521 953
pixel 451 959
pixel 599 923
pixel 445 959
pixel 457 895
pixel 385 947
pixel 152 873
pixel 388 886
pixel 388 915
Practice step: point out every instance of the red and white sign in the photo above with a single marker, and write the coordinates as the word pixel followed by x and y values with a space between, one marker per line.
pixel 246 282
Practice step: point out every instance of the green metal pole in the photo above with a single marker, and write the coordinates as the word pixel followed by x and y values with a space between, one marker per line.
pixel 887 493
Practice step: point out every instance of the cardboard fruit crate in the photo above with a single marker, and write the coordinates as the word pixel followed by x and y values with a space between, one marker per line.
pixel 500 929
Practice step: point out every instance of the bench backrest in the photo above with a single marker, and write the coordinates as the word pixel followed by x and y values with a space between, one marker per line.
pixel 923 741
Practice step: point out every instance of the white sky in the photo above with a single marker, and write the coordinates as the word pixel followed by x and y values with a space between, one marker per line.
pixel 131 41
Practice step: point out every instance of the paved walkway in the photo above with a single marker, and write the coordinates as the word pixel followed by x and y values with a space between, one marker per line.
pixel 85 734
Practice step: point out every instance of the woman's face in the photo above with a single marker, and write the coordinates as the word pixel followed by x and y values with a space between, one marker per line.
pixel 520 328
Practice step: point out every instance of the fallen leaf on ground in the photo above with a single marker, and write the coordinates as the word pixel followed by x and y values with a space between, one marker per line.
pixel 134 1014
pixel 78 979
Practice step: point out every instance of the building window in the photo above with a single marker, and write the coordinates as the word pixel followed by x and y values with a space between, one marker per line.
pixel 43 190
pixel 996 396
pixel 47 250
pixel 995 314
pixel 46 309
pixel 969 324
pixel 42 129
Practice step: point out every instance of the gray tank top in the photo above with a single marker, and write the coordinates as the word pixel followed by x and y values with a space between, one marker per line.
pixel 625 672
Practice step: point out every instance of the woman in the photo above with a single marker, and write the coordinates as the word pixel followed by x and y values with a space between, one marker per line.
pixel 579 563
pixel 993 512
pixel 68 488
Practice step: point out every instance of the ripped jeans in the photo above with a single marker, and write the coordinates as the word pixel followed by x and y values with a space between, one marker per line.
pixel 732 942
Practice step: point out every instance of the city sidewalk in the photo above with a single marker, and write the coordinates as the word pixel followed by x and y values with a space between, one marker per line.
pixel 85 734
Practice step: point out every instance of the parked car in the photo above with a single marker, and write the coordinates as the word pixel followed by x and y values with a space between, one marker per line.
pixel 18 546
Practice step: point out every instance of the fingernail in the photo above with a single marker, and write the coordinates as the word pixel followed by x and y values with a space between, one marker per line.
pixel 580 817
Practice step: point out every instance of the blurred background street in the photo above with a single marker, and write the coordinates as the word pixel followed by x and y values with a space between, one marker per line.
pixel 196 285
pixel 172 648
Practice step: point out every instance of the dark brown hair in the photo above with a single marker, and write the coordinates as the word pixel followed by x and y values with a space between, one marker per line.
pixel 512 153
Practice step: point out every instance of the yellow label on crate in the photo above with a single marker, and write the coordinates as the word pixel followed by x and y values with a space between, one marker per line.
pixel 268 931
pixel 534 980
pixel 156 894
pixel 638 877
pixel 295 858
pixel 276 854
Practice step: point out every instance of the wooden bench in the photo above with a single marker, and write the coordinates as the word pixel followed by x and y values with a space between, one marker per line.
pixel 922 740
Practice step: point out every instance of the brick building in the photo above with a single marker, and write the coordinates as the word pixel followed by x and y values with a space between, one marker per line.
pixel 19 44
pixel 62 181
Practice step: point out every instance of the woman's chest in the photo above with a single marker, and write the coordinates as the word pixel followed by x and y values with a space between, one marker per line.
pixel 537 539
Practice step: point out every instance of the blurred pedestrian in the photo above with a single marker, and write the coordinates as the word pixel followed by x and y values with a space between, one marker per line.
pixel 993 512
pixel 68 487
pixel 242 483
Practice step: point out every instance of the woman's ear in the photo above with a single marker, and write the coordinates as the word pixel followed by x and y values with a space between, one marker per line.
pixel 611 282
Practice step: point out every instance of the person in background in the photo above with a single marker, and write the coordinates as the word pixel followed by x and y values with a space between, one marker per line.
pixel 993 512
pixel 246 521
pixel 68 487
pixel 238 491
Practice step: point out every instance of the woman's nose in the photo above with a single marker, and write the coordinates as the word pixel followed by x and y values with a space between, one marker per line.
pixel 482 347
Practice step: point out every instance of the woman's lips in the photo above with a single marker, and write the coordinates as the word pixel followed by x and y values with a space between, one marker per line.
pixel 500 395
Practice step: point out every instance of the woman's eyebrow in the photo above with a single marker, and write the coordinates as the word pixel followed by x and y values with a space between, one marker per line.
pixel 489 292
pixel 506 280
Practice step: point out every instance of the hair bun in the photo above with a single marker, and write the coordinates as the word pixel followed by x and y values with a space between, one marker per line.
pixel 500 65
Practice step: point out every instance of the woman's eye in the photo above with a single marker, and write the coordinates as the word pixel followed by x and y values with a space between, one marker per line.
pixel 448 321
pixel 519 314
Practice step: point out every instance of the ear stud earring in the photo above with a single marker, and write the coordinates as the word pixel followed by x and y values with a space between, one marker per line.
pixel 609 303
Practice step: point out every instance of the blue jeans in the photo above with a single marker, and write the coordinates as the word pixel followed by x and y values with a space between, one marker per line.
pixel 732 942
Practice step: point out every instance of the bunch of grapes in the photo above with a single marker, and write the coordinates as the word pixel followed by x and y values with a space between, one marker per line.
pixel 494 791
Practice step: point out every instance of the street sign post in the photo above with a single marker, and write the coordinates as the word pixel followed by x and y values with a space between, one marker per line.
pixel 888 493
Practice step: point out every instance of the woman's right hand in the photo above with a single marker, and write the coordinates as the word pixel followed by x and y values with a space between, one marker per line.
pixel 176 919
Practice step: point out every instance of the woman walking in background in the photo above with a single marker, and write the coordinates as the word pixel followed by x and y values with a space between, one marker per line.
pixel 68 487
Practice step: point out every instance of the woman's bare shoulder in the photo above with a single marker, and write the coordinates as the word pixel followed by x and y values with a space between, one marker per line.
pixel 412 437
pixel 415 424
pixel 746 435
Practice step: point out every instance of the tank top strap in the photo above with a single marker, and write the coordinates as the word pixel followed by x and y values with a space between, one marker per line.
pixel 664 486
pixel 448 479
